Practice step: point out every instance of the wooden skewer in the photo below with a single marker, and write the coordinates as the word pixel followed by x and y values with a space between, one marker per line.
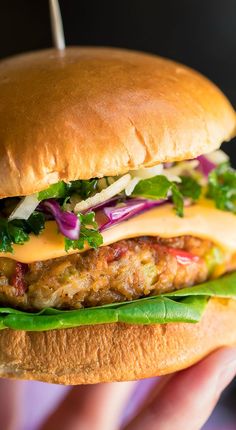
pixel 57 25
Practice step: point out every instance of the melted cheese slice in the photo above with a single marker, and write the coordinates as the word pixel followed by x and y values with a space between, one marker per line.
pixel 200 220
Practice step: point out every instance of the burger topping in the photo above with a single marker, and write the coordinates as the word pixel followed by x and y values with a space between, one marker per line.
pixel 25 208
pixel 222 188
pixel 104 195
pixel 182 257
pixel 68 223
pixel 17 231
pixel 83 209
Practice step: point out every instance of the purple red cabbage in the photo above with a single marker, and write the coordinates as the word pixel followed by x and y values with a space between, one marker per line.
pixel 68 223
pixel 129 208
pixel 205 165
pixel 108 202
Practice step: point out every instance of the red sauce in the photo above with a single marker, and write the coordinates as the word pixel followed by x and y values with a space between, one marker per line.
pixel 183 257
pixel 17 279
pixel 116 251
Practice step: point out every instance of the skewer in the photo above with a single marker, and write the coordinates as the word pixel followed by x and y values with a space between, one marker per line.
pixel 57 25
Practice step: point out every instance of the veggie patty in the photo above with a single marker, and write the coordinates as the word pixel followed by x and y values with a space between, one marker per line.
pixel 124 271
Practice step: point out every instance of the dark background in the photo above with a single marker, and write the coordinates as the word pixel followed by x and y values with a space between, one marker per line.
pixel 200 33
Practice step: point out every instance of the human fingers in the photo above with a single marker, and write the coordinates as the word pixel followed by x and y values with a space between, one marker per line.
pixel 187 399
pixel 10 404
pixel 87 407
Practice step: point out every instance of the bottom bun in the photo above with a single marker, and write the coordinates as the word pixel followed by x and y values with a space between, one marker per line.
pixel 115 352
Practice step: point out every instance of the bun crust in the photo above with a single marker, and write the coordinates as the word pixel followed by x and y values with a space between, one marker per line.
pixel 115 352
pixel 92 112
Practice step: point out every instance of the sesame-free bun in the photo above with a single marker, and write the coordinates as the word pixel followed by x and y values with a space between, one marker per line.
pixel 115 352
pixel 92 112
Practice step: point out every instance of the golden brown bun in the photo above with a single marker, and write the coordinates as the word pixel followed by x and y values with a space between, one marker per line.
pixel 90 112
pixel 115 352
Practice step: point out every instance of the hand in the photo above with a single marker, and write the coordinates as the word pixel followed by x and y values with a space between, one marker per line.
pixel 180 401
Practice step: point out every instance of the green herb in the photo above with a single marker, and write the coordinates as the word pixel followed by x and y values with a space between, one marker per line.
pixel 186 305
pixel 189 187
pixel 84 188
pixel 159 187
pixel 88 233
pixel 36 223
pixel 55 191
pixel 178 200
pixel 11 233
pixel 17 234
pixel 17 231
pixel 62 190
pixel 222 187
pixel 153 188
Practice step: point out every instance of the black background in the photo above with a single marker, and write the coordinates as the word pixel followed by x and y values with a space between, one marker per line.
pixel 199 33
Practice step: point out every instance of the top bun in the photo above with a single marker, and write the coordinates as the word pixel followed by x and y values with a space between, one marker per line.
pixel 92 112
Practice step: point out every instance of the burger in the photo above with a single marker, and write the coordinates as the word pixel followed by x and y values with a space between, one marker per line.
pixel 117 216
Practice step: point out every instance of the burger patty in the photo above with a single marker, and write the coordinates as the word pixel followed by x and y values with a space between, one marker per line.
pixel 125 270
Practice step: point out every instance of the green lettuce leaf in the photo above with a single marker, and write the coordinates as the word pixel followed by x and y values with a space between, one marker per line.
pixel 159 310
pixel 186 305
pixel 162 310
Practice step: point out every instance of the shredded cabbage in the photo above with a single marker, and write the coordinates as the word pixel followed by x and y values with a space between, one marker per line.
pixel 106 194
pixel 25 208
